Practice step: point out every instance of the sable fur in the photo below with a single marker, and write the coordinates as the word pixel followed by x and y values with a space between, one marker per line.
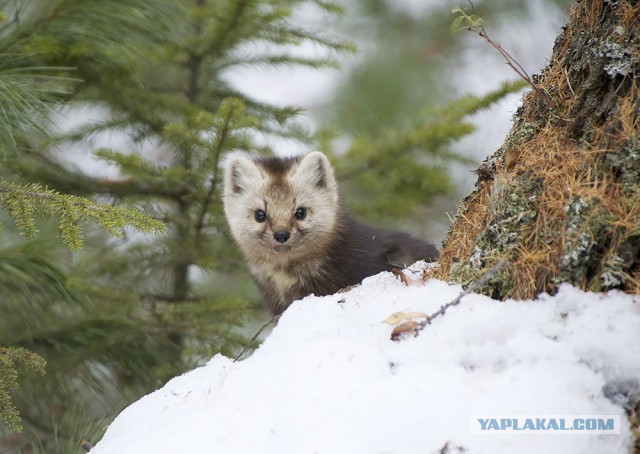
pixel 326 251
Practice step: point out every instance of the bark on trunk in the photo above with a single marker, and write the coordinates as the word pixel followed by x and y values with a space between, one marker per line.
pixel 561 197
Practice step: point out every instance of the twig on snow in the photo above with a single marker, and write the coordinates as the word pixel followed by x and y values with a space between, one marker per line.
pixel 415 327
pixel 274 320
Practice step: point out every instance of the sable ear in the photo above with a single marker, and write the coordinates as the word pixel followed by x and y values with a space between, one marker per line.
pixel 240 174
pixel 315 167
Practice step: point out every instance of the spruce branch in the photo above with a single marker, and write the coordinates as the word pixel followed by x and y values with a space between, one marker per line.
pixel 231 106
pixel 279 59
pixel 25 201
pixel 157 297
pixel 216 46
pixel 330 7
pixel 441 125
pixel 26 98
pixel 10 359
pixel 48 171
pixel 294 35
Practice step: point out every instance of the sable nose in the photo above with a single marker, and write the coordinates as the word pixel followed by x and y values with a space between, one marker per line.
pixel 281 236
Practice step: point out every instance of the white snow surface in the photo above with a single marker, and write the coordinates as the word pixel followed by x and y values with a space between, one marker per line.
pixel 328 379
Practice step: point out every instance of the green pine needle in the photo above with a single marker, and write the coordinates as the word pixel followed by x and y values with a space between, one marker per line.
pixel 25 201
pixel 10 360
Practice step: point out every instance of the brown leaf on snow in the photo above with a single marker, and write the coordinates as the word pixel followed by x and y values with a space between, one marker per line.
pixel 398 317
pixel 405 329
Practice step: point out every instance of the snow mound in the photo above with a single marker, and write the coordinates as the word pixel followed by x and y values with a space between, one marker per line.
pixel 329 379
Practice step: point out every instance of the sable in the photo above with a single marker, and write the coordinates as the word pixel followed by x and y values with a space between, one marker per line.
pixel 297 239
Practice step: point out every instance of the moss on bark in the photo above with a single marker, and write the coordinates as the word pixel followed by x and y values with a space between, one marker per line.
pixel 561 197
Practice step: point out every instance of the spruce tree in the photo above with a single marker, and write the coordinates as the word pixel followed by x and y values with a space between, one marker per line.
pixel 172 91
pixel 31 285
pixel 130 314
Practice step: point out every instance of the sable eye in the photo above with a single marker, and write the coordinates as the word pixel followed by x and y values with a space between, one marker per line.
pixel 260 216
pixel 301 213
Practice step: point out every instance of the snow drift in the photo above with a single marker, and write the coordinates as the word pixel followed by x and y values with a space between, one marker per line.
pixel 329 379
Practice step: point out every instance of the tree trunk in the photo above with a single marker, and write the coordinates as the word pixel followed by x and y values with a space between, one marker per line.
pixel 561 198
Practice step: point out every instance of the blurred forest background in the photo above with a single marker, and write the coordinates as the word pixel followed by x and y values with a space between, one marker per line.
pixel 136 104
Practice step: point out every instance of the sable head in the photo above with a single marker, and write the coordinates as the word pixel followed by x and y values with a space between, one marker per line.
pixel 281 206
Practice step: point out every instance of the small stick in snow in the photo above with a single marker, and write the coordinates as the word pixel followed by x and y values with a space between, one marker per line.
pixel 486 277
pixel 415 327
pixel 274 320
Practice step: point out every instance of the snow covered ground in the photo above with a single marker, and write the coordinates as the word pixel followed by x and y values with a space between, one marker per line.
pixel 329 379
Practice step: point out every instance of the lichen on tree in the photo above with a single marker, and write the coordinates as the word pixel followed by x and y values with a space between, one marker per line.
pixel 561 197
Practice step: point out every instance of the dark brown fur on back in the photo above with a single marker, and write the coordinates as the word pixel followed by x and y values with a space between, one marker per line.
pixel 358 251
